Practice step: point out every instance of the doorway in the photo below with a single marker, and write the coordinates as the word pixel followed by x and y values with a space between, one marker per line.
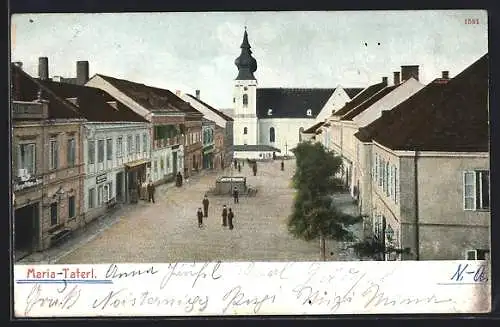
pixel 26 226
pixel 119 187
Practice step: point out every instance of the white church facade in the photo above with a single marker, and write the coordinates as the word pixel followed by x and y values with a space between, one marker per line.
pixel 271 120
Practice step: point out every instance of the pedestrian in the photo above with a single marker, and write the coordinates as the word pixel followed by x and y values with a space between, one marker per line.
pixel 230 217
pixel 235 164
pixel 236 194
pixel 254 168
pixel 282 165
pixel 224 216
pixel 199 213
pixel 151 191
pixel 205 206
pixel 239 168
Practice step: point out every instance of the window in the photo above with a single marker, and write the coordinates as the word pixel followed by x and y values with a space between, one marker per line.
pixel 168 161
pixel 100 151
pixel 109 149
pixel 477 190
pixel 54 154
pixel 144 142
pixel 309 112
pixel 245 131
pixel 245 100
pixel 71 206
pixel 91 200
pixel 375 168
pixel 396 181
pixel 119 147
pixel 386 179
pixel 162 164
pixel 380 171
pixel 91 151
pixel 71 152
pixel 137 143
pixel 478 254
pixel 155 166
pixel 234 100
pixel 130 145
pixel 390 182
pixel 27 158
pixel 269 112
pixel 53 214
pixel 271 135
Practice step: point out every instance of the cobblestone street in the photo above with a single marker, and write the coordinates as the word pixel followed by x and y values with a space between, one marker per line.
pixel 167 231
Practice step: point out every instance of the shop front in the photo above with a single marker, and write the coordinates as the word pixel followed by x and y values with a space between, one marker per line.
pixel 135 181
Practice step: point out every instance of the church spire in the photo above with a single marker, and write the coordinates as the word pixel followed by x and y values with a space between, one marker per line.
pixel 246 64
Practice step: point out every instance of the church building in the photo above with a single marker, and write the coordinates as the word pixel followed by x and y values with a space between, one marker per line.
pixel 271 120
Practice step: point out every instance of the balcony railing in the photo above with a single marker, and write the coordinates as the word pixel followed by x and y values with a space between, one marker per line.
pixel 163 143
pixel 29 110
pixel 26 182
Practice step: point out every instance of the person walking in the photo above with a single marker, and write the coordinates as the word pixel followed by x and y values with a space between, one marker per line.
pixel 239 168
pixel 224 216
pixel 151 191
pixel 235 164
pixel 254 168
pixel 205 203
pixel 230 217
pixel 282 165
pixel 199 213
pixel 236 194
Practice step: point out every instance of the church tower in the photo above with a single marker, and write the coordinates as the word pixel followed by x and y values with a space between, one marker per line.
pixel 246 128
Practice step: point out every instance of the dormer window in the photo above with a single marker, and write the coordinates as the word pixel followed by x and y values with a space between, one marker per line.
pixel 245 100
pixel 234 100
pixel 309 112
pixel 269 112
pixel 245 88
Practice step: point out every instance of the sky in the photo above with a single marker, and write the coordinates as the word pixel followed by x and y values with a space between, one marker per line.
pixel 196 50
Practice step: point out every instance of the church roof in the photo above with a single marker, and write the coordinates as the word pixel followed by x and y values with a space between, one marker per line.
pixel 255 148
pixel 440 117
pixel 291 102
pixel 247 65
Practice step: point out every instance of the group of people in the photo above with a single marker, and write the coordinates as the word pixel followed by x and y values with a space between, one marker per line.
pixel 227 214
pixel 237 165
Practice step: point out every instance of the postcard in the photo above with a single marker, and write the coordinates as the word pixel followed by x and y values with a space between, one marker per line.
pixel 250 163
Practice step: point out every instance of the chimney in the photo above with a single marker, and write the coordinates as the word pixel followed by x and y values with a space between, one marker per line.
pixel 43 68
pixel 445 74
pixel 397 79
pixel 198 94
pixel 19 64
pixel 408 72
pixel 384 80
pixel 82 72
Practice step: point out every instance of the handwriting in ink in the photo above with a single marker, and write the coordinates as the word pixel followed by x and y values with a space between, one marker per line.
pixel 65 300
pixel 479 275
pixel 236 298
pixel 124 298
pixel 181 271
pixel 375 298
pixel 113 272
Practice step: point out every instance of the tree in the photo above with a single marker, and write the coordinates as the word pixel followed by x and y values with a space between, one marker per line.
pixel 314 214
pixel 374 248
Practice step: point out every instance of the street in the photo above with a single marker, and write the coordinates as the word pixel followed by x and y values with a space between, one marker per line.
pixel 167 231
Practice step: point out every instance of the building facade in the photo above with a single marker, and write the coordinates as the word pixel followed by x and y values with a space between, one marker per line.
pixel 276 117
pixel 208 135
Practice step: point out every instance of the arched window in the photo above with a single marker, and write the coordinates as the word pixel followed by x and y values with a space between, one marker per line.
pixel 301 130
pixel 272 135
pixel 245 131
pixel 245 100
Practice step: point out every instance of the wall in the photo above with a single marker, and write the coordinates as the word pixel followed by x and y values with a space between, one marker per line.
pixel 109 168
pixel 253 155
pixel 337 100
pixel 245 116
pixel 286 131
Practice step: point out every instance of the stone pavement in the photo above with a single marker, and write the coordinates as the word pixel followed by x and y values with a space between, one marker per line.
pixel 167 231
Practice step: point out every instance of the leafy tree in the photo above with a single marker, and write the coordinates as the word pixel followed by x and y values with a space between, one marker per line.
pixel 373 248
pixel 314 214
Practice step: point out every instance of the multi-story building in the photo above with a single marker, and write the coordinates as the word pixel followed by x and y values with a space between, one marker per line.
pixel 176 126
pixel 223 150
pixel 116 147
pixel 47 160
pixel 208 132
pixel 425 170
